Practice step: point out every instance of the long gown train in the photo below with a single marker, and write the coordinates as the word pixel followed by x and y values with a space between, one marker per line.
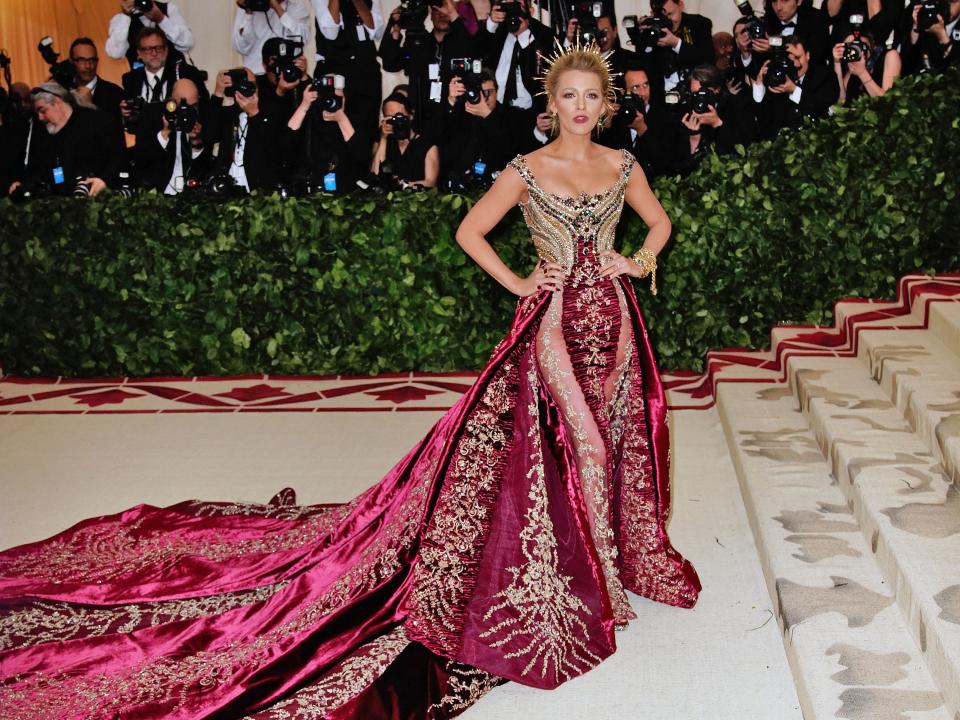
pixel 499 548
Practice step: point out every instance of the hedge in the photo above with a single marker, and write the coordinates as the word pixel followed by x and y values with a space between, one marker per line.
pixel 374 283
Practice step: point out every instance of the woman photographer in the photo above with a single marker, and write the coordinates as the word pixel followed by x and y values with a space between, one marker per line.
pixel 873 73
pixel 411 158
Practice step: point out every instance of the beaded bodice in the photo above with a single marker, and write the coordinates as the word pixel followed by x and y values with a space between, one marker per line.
pixel 572 230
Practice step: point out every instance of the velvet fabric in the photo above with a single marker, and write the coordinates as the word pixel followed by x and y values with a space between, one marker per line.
pixel 497 549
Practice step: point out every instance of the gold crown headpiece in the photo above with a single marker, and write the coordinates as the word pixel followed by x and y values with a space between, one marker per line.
pixel 577 48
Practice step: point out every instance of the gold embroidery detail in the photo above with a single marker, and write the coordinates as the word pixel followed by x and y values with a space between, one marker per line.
pixel 537 605
pixel 44 621
pixel 344 682
pixel 99 553
pixel 465 685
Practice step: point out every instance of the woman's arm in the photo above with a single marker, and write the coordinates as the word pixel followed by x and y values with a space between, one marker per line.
pixel 482 218
pixel 431 168
pixel 640 197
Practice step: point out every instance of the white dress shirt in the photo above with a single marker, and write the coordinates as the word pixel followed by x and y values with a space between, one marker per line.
pixel 330 29
pixel 237 170
pixel 524 99
pixel 174 26
pixel 760 91
pixel 252 30
pixel 175 183
pixel 153 79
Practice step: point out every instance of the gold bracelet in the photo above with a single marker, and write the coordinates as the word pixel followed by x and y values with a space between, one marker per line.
pixel 648 266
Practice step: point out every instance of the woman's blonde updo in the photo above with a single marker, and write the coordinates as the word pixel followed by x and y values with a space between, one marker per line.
pixel 586 58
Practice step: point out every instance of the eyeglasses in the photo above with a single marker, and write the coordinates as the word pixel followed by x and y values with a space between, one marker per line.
pixel 153 49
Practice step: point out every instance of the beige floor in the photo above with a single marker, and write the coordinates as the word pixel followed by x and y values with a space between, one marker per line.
pixel 723 660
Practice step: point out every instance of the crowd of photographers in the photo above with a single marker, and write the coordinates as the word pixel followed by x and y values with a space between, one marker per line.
pixel 470 103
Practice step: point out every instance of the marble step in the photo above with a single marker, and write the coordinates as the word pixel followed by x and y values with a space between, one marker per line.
pixel 906 507
pixel 922 378
pixel 945 323
pixel 849 647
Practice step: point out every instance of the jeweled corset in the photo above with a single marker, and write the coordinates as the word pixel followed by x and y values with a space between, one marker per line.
pixel 572 230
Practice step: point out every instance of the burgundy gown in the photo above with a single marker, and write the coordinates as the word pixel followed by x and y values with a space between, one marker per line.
pixel 497 549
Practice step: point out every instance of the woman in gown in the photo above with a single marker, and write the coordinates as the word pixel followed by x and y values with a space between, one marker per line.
pixel 499 548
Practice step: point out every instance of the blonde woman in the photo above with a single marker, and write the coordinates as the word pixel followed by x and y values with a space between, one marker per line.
pixel 499 548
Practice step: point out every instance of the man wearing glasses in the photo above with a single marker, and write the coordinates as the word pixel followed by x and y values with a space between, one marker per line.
pixel 126 25
pixel 104 94
pixel 153 82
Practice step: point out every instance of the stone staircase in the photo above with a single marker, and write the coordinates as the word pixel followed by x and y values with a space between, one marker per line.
pixel 846 443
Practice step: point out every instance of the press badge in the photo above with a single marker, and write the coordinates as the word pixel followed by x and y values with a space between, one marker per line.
pixel 433 71
pixel 479 168
pixel 956 34
pixel 58 176
pixel 330 182
pixel 436 88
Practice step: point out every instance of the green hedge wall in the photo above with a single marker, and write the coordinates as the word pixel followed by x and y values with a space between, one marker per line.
pixel 368 284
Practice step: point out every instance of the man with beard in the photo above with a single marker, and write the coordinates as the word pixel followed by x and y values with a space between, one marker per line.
pixel 69 148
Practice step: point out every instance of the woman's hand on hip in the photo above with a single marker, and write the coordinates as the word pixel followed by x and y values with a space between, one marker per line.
pixel 545 276
pixel 615 265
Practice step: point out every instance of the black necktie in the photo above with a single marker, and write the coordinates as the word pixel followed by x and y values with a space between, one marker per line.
pixel 155 95
pixel 510 92
pixel 789 25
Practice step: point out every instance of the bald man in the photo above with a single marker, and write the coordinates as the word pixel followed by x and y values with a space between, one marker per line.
pixel 167 158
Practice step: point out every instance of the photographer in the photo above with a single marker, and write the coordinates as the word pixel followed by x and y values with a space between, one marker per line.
pixel 103 93
pixel 785 18
pixel 259 20
pixel 146 87
pixel 747 59
pixel 685 42
pixel 512 42
pixel 71 150
pixel 642 127
pixel 321 145
pixel 478 136
pixel 804 90
pixel 603 29
pixel 863 68
pixel 248 157
pixel 425 57
pixel 714 120
pixel 345 46
pixel 285 72
pixel 933 41
pixel 881 16
pixel 134 16
pixel 401 154
pixel 168 153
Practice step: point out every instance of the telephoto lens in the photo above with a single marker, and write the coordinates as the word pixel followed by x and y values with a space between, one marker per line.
pixel 80 188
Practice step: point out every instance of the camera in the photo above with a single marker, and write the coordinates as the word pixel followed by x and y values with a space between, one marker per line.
pixel 587 14
pixel 781 66
pixel 326 87
pixel 685 101
pixel 645 35
pixel 754 24
pixel 135 107
pixel 80 188
pixel 401 125
pixel 287 52
pixel 468 70
pixel 217 184
pixel 30 189
pixel 141 7
pixel 180 117
pixel 514 12
pixel 631 105
pixel 929 9
pixel 856 49
pixel 257 5
pixel 4 60
pixel 241 84
pixel 63 73
pixel 413 14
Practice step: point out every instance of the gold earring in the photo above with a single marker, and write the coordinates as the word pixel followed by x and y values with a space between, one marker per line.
pixel 554 123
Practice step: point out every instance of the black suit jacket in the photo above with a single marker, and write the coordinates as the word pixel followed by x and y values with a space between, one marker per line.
pixel 820 90
pixel 813 28
pixel 490 47
pixel 107 96
pixel 654 150
pixel 89 145
pixel 262 148
pixel 154 164
pixel 134 80
pixel 696 48
pixel 466 139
